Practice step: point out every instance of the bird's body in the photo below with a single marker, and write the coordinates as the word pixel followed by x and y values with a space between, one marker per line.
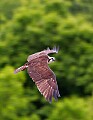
pixel 41 74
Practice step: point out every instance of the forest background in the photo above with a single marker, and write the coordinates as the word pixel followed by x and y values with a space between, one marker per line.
pixel 29 26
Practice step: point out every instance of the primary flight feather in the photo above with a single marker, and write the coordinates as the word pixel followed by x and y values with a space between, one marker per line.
pixel 41 74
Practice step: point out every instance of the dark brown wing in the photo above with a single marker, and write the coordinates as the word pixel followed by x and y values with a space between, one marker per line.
pixel 43 77
pixel 44 52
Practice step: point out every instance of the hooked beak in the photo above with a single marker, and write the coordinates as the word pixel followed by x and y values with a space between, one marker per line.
pixel 53 59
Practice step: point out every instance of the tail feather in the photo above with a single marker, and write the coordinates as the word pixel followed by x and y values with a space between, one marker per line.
pixel 20 69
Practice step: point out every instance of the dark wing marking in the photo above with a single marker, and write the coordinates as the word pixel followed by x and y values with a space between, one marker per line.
pixel 44 78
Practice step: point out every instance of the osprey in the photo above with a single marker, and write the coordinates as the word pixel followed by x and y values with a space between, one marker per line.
pixel 41 74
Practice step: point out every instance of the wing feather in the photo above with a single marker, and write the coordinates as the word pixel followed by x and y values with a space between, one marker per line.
pixel 44 78
pixel 44 52
pixel 50 95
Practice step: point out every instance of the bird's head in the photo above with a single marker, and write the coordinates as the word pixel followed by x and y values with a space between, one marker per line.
pixel 51 59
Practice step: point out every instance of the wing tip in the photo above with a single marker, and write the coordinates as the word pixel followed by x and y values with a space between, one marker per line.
pixel 56 94
pixel 56 49
pixel 53 50
pixel 48 48
pixel 16 71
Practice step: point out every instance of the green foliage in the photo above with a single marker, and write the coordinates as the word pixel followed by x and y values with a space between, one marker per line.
pixel 15 101
pixel 72 109
pixel 28 26
pixel 7 7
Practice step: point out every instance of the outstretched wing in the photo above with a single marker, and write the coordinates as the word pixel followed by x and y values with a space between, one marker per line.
pixel 44 52
pixel 43 77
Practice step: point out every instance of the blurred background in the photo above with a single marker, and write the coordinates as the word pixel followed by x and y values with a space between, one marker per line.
pixel 29 26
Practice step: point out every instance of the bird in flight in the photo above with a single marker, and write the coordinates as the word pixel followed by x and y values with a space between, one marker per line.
pixel 44 78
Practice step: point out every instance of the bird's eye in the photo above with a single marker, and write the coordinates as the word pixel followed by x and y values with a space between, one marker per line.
pixel 53 59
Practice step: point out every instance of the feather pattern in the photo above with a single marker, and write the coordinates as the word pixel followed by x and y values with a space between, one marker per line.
pixel 41 74
pixel 44 78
